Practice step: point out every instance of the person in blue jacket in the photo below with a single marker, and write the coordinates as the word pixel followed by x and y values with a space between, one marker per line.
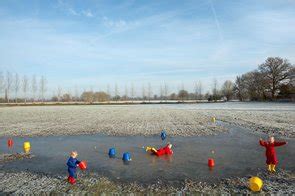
pixel 72 164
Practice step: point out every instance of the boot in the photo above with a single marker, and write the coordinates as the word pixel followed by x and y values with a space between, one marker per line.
pixel 273 168
pixel 154 150
pixel 148 148
pixel 71 180
pixel 269 168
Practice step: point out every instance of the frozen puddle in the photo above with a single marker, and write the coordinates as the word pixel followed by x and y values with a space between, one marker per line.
pixel 237 153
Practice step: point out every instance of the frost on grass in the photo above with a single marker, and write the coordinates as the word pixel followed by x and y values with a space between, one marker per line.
pixel 138 120
pixel 112 120
pixel 281 183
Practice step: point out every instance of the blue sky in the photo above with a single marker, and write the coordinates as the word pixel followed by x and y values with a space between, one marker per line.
pixel 90 44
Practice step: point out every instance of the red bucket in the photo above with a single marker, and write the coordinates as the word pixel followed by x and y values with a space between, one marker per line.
pixel 9 143
pixel 83 165
pixel 211 162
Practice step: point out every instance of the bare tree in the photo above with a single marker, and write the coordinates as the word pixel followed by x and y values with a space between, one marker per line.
pixel 150 92
pixel 87 96
pixel 66 97
pixel 126 93
pixel 161 92
pixel 252 85
pixel 42 87
pixel 16 86
pixel 215 89
pixel 182 94
pixel 2 83
pixel 59 94
pixel 34 87
pixel 117 96
pixel 182 86
pixel 91 88
pixel 165 91
pixel 25 86
pixel 76 93
pixel 109 91
pixel 240 88
pixel 227 89
pixel 277 70
pixel 132 92
pixel 143 92
pixel 116 90
pixel 8 85
pixel 198 90
pixel 173 96
pixel 100 96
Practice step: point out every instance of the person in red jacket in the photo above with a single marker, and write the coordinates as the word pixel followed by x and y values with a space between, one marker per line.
pixel 167 150
pixel 270 153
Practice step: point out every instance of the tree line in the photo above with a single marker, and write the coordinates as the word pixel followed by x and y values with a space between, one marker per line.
pixel 12 85
pixel 273 79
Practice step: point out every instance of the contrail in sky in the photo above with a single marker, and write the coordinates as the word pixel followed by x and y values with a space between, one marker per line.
pixel 216 21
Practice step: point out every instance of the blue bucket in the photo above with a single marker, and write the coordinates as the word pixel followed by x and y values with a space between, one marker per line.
pixel 163 135
pixel 112 152
pixel 126 156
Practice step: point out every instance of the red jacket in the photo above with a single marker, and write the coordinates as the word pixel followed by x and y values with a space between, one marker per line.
pixel 163 151
pixel 270 153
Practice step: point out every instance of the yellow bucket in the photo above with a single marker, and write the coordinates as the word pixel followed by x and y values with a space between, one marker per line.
pixel 213 119
pixel 255 184
pixel 27 147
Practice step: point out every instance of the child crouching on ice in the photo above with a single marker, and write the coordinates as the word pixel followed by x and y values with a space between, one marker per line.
pixel 270 153
pixel 72 164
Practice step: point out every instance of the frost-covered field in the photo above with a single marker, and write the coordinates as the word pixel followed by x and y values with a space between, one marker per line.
pixel 25 183
pixel 113 120
pixel 185 120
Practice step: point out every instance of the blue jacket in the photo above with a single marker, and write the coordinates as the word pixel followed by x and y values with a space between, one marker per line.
pixel 72 166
